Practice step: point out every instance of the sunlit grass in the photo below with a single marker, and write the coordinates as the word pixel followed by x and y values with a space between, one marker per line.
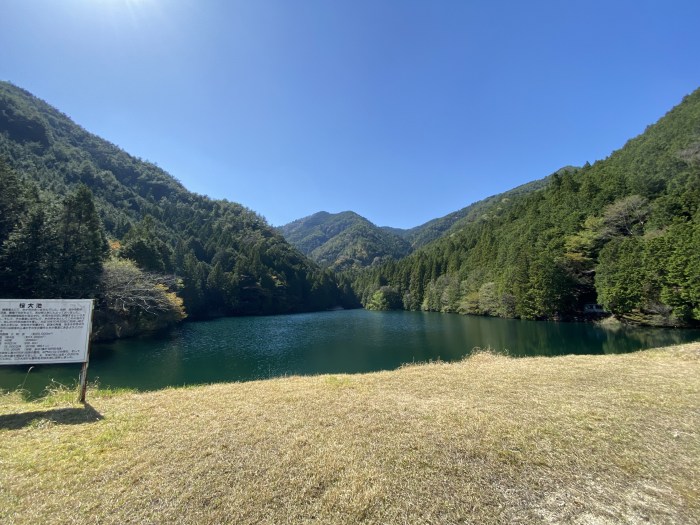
pixel 576 439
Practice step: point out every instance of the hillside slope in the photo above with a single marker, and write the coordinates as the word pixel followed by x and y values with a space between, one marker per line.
pixel 343 240
pixel 229 259
pixel 434 229
pixel 346 240
pixel 623 232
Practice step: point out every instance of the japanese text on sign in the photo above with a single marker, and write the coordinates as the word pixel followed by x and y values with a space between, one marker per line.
pixel 43 331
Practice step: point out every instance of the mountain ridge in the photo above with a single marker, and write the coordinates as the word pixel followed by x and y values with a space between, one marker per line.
pixel 231 262
pixel 343 240
pixel 623 232
pixel 334 239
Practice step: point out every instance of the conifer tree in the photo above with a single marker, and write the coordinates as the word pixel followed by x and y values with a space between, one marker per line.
pixel 25 259
pixel 82 246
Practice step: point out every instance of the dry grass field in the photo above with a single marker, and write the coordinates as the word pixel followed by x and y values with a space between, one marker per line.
pixel 576 439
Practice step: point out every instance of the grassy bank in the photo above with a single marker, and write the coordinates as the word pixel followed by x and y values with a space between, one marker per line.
pixel 608 439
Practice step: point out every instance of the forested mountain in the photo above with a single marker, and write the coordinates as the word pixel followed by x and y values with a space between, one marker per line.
pixel 219 257
pixel 344 240
pixel 624 232
pixel 79 217
pixel 436 228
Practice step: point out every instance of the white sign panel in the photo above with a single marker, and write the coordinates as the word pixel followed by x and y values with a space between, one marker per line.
pixel 42 331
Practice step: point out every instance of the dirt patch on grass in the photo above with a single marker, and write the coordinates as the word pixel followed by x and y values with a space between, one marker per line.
pixel 576 439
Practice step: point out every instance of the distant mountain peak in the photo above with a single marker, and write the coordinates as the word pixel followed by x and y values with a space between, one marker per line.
pixel 343 240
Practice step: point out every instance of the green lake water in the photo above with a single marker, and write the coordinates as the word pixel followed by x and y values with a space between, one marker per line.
pixel 351 341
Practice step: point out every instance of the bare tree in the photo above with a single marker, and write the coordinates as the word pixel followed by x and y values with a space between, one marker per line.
pixel 128 289
pixel 623 217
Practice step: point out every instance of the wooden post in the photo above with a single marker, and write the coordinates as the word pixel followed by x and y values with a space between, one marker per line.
pixel 83 381
pixel 84 369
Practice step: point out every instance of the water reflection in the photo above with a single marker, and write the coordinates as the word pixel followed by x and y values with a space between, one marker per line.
pixel 240 349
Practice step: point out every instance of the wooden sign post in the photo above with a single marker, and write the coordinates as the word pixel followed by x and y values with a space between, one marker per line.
pixel 83 373
pixel 46 331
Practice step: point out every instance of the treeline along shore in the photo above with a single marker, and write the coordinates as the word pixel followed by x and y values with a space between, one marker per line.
pixel 81 218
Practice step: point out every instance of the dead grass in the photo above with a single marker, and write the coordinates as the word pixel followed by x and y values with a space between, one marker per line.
pixel 594 440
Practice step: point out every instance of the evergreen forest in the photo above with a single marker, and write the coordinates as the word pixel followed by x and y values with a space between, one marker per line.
pixel 344 240
pixel 81 218
pixel 623 233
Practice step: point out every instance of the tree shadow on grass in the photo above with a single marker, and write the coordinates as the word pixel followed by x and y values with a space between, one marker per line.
pixel 58 416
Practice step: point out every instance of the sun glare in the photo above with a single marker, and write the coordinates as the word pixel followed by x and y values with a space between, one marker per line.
pixel 135 10
pixel 120 4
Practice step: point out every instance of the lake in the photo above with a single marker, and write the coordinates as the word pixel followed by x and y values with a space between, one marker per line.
pixel 350 341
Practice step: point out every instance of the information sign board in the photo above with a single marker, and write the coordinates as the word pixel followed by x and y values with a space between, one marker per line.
pixel 43 331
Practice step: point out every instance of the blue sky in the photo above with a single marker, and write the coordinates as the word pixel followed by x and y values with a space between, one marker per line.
pixel 402 111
